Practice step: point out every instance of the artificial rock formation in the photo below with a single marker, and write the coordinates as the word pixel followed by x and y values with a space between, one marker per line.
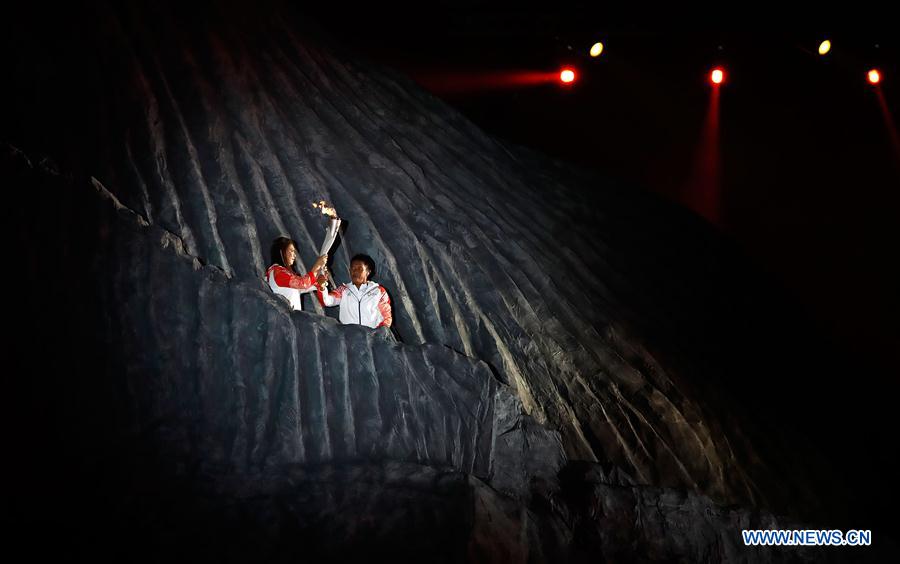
pixel 225 136
pixel 221 425
pixel 562 355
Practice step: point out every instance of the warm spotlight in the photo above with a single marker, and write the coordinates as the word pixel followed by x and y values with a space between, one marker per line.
pixel 567 76
pixel 824 47
pixel 717 76
pixel 596 49
pixel 874 76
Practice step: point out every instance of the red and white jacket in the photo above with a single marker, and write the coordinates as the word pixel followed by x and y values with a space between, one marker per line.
pixel 287 283
pixel 367 305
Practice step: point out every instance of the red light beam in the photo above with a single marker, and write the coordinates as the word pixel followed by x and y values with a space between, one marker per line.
pixel 458 82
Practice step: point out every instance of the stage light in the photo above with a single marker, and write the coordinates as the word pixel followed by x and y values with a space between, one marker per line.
pixel 874 76
pixel 567 76
pixel 717 76
pixel 596 49
pixel 824 47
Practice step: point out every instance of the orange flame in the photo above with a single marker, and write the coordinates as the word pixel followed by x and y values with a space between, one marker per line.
pixel 326 210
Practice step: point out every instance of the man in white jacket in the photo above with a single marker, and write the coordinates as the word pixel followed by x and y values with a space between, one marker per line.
pixel 362 301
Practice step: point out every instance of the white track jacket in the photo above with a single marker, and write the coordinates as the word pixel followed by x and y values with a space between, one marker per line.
pixel 367 305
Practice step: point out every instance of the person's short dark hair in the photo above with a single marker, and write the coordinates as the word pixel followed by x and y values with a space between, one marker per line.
pixel 368 261
pixel 279 250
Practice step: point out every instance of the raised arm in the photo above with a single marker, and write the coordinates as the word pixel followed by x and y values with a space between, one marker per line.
pixel 332 298
pixel 286 278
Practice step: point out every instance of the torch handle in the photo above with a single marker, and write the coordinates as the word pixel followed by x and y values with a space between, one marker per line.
pixel 328 277
pixel 330 235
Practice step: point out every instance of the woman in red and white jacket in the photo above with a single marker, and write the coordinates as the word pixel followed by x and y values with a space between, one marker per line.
pixel 362 301
pixel 284 280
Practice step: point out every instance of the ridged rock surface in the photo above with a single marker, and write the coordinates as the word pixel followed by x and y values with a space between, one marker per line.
pixel 267 387
pixel 225 135
pixel 217 424
pixel 545 316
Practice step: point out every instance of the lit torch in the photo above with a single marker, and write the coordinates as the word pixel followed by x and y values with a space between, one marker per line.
pixel 331 232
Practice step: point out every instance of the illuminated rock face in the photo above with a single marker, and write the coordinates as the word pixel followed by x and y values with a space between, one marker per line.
pixel 531 302
pixel 262 386
pixel 213 423
pixel 229 136
pixel 244 383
